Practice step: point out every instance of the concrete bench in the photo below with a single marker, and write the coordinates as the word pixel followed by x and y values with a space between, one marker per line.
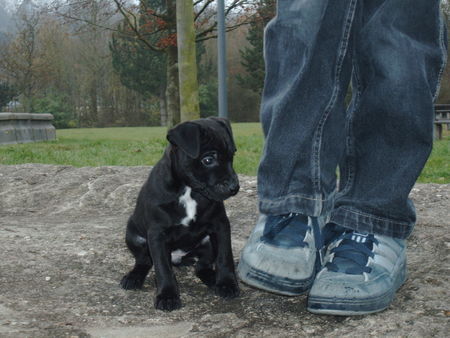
pixel 442 117
pixel 25 128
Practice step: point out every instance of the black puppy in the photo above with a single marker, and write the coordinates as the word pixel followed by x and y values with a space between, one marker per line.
pixel 180 212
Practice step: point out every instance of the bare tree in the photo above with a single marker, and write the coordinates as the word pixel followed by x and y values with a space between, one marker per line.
pixel 19 60
pixel 158 32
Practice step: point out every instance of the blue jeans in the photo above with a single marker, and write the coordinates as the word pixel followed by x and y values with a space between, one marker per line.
pixel 393 52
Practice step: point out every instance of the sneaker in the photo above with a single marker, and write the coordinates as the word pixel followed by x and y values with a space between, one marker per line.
pixel 281 254
pixel 361 274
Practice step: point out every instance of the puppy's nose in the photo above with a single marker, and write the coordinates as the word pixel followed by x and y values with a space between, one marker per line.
pixel 234 188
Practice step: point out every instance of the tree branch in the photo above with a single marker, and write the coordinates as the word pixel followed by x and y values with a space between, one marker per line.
pixel 134 27
pixel 201 36
pixel 204 7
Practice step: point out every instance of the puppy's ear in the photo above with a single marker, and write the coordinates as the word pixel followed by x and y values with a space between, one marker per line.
pixel 226 124
pixel 186 136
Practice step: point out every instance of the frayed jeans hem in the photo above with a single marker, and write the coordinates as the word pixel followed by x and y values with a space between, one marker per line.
pixel 367 223
pixel 309 206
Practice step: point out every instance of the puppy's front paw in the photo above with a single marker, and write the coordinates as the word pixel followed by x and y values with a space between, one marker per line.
pixel 132 281
pixel 167 302
pixel 207 276
pixel 228 289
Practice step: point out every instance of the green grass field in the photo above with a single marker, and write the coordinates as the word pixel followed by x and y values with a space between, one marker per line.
pixel 144 146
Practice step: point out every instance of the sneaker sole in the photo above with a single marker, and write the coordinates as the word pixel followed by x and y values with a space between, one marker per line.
pixel 350 307
pixel 275 284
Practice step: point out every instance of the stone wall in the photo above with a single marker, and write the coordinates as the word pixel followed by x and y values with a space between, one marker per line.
pixel 25 128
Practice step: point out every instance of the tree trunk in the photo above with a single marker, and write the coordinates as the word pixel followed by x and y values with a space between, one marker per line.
pixel 163 105
pixel 187 63
pixel 172 90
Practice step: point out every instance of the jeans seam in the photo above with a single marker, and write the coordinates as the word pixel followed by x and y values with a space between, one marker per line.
pixel 318 134
pixel 444 56
pixel 350 165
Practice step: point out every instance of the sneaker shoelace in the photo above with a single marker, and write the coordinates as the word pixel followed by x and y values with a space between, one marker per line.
pixel 351 253
pixel 291 225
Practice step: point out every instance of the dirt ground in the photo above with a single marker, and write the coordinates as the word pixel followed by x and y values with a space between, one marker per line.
pixel 62 254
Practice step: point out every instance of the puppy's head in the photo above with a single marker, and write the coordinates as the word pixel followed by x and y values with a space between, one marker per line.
pixel 204 151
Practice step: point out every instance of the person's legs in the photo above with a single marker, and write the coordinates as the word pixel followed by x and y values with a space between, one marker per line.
pixel 308 69
pixel 302 108
pixel 399 55
pixel 398 60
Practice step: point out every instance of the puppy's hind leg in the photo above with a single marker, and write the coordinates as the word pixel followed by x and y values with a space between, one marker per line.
pixel 138 246
pixel 204 267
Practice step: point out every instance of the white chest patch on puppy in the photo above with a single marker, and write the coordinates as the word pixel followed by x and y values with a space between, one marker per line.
pixel 190 206
pixel 177 256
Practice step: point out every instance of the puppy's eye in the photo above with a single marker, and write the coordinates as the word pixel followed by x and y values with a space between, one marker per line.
pixel 209 161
